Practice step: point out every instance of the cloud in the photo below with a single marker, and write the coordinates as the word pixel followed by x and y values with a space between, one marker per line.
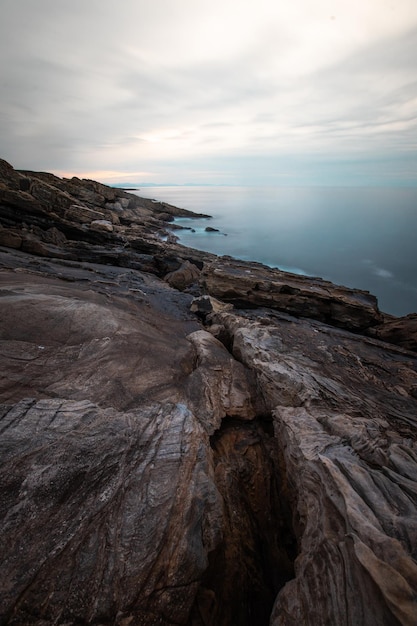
pixel 142 87
pixel 377 271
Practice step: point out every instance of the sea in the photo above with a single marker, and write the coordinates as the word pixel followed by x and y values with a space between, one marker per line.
pixel 359 237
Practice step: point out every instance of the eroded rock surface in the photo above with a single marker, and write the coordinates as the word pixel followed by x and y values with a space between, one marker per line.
pixel 344 415
pixel 168 458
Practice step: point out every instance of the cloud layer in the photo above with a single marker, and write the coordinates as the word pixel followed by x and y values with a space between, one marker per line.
pixel 190 91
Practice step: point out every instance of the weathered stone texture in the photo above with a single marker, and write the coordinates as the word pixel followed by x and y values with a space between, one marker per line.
pixel 345 417
pixel 251 284
pixel 106 516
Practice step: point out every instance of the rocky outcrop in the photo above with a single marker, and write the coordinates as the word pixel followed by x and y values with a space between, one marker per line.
pixel 250 284
pixel 401 331
pixel 184 276
pixel 192 440
pixel 99 223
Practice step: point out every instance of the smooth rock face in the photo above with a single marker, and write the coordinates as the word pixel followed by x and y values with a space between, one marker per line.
pixel 220 386
pixel 166 459
pixel 114 513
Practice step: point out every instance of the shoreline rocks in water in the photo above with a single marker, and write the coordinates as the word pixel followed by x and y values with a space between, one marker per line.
pixel 191 439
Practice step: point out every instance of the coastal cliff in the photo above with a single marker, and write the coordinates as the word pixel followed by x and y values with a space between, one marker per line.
pixel 193 440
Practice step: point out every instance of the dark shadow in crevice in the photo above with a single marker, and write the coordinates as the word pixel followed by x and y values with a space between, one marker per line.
pixel 256 557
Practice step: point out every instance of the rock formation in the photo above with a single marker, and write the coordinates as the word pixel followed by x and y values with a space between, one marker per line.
pixel 193 440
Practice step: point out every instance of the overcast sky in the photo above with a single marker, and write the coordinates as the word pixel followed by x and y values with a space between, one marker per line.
pixel 211 91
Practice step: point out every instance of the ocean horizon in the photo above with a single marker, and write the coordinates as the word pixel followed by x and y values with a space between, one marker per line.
pixel 360 237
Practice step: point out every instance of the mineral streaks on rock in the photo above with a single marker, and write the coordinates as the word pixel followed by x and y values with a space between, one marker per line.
pixel 300 362
pixel 345 421
pixel 358 534
pixel 107 517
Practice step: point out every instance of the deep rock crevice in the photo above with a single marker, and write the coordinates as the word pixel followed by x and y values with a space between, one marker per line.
pixel 256 556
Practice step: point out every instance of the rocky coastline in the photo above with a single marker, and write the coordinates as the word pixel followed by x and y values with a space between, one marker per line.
pixel 190 439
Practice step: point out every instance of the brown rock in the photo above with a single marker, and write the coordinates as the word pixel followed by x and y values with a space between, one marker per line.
pixel 219 386
pixel 186 275
pixel 79 326
pixel 32 244
pixel 53 235
pixel 251 284
pixel 402 331
pixel 98 497
pixel 83 214
pixel 20 200
pixel 10 239
pixel 345 422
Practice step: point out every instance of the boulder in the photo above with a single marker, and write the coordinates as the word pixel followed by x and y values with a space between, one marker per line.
pixel 184 276
pixel 102 226
pixel 55 236
pixel 219 386
pixel 204 305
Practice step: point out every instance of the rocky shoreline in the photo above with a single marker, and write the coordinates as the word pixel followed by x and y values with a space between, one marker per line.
pixel 188 439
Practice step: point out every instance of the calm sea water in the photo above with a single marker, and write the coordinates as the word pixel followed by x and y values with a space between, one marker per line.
pixel 358 237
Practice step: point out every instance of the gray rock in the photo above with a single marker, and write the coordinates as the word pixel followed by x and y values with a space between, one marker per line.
pixel 102 226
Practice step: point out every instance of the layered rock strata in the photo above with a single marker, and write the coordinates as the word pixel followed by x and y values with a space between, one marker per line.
pixel 192 440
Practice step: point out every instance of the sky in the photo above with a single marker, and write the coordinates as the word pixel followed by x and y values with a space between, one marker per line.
pixel 253 92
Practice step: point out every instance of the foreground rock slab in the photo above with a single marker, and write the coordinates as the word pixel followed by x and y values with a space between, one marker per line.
pixel 114 515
